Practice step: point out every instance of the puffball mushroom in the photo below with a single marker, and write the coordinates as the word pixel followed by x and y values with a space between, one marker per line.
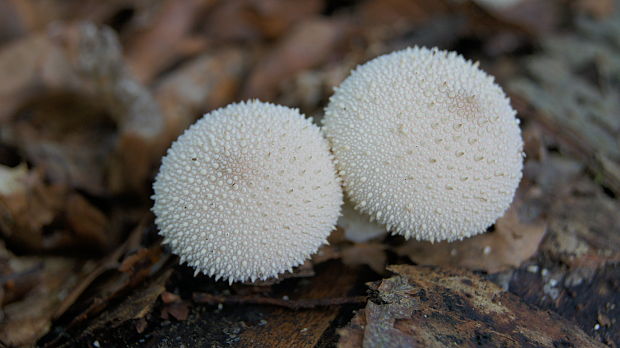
pixel 426 143
pixel 247 192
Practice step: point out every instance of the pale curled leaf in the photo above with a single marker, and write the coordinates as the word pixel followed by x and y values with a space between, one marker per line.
pixel 511 243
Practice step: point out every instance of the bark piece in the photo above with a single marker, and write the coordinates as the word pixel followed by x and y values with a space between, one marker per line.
pixel 431 307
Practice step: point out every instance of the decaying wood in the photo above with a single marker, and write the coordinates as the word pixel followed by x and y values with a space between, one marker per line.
pixel 448 307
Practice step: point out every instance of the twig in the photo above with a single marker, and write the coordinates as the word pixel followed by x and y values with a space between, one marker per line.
pixel 292 304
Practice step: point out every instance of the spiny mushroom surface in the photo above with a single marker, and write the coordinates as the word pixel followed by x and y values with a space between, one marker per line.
pixel 426 143
pixel 247 192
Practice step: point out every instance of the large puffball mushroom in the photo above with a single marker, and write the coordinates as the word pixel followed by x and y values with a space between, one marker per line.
pixel 247 192
pixel 426 143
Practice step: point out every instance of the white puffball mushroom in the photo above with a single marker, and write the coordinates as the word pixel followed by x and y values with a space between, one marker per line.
pixel 247 192
pixel 426 143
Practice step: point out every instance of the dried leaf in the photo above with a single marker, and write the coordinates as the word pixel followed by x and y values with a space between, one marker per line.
pixel 512 242
pixel 371 254
pixel 72 108
pixel 537 17
pixel 174 306
pixel 88 223
pixel 207 82
pixel 247 20
pixel 179 310
pixel 396 13
pixel 28 208
pixel 133 268
pixel 306 46
pixel 436 308
pixel 161 37
pixel 11 25
pixel 135 306
pixel 29 316
pixel 597 8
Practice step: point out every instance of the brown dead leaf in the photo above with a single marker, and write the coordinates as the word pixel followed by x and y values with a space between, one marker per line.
pixel 35 16
pixel 371 254
pixel 325 253
pixel 512 242
pixel 398 12
pixel 67 137
pixel 40 217
pixel 429 307
pixel 597 8
pixel 11 25
pixel 251 20
pixel 207 82
pixel 307 45
pixel 17 276
pixel 141 325
pixel 30 65
pixel 135 306
pixel 116 286
pixel 168 297
pixel 97 56
pixel 155 47
pixel 275 17
pixel 27 206
pixel 174 306
pixel 129 268
pixel 72 108
pixel 131 260
pixel 178 310
pixel 88 223
pixel 29 316
pixel 532 16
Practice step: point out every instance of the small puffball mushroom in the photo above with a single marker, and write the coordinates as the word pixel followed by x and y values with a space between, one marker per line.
pixel 247 192
pixel 426 143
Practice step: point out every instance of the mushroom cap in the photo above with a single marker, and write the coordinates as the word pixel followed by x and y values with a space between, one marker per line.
pixel 426 143
pixel 247 192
